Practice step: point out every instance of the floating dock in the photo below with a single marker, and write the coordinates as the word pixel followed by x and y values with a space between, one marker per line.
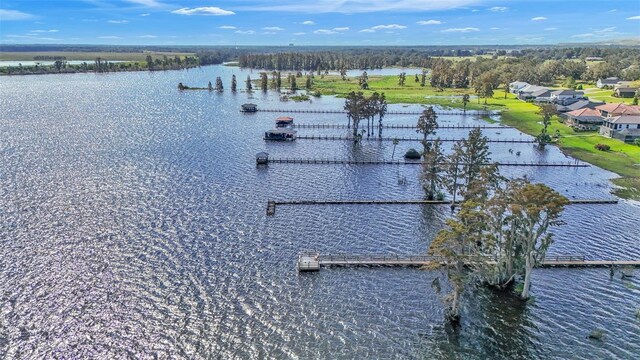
pixel 271 205
pixel 313 261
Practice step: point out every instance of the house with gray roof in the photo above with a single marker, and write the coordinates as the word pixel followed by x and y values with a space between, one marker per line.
pixel 623 127
pixel 610 81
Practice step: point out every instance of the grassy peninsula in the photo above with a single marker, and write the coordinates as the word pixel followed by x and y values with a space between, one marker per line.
pixel 622 159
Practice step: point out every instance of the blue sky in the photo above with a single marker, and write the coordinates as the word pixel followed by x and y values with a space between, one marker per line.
pixel 319 22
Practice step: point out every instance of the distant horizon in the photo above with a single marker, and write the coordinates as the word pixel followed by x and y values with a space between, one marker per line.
pixel 319 23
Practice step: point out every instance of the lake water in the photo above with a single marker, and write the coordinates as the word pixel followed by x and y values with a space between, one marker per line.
pixel 132 225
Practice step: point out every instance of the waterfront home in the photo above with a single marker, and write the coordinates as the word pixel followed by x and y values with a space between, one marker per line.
pixel 570 105
pixel 560 96
pixel 625 92
pixel 610 110
pixel 280 134
pixel 610 81
pixel 527 93
pixel 584 119
pixel 249 108
pixel 516 86
pixel 624 127
pixel 284 121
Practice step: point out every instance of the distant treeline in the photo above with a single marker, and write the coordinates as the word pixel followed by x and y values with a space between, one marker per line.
pixel 49 58
pixel 377 58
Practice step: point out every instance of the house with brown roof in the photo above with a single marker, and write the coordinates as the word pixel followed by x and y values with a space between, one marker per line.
pixel 623 127
pixel 584 119
pixel 610 110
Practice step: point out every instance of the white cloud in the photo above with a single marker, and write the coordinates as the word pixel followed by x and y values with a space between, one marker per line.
pixel 299 33
pixel 460 30
pixel 587 35
pixel 44 31
pixel 367 31
pixel 227 27
pixel 341 28
pixel 245 32
pixel 538 18
pixel 308 22
pixel 550 29
pixel 388 27
pixel 612 11
pixel 325 32
pixel 494 28
pixel 429 22
pixel 109 37
pixel 145 14
pixel 147 36
pixel 273 28
pixel 205 10
pixel 499 9
pixel 634 18
pixel 342 6
pixel 606 30
pixel 118 21
pixel 7 15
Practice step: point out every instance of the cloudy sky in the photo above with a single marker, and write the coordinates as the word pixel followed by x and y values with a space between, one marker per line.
pixel 317 22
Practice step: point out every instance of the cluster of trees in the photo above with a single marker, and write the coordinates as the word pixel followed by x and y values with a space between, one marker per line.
pixel 360 107
pixel 501 230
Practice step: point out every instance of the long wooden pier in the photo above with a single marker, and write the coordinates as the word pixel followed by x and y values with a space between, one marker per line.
pixel 396 126
pixel 392 112
pixel 313 261
pixel 416 162
pixel 374 138
pixel 272 204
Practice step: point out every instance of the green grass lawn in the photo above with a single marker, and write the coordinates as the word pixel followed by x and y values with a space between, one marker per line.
pixel 623 159
pixel 605 95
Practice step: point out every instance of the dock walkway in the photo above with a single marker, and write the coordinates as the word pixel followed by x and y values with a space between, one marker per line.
pixel 374 138
pixel 313 261
pixel 396 126
pixel 271 205
pixel 417 162
pixel 391 112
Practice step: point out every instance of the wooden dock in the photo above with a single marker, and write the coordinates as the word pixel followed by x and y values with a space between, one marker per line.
pixel 416 162
pixel 392 112
pixel 313 261
pixel 271 204
pixel 396 126
pixel 374 138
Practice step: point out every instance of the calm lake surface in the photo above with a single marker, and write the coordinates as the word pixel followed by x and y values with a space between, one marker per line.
pixel 132 225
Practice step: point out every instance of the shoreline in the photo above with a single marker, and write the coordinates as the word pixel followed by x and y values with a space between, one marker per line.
pixel 623 159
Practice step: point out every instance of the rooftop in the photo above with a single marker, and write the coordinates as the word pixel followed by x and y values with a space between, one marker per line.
pixel 584 112
pixel 619 108
pixel 567 92
pixel 625 119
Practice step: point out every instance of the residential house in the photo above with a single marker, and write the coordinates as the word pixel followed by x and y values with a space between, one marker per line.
pixel 515 86
pixel 561 96
pixel 623 127
pixel 625 92
pixel 610 82
pixel 584 119
pixel 527 92
pixel 576 105
pixel 611 110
